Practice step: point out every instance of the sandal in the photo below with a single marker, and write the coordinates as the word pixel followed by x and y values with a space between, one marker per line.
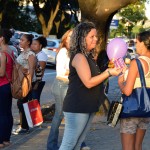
pixel 6 143
pixel 2 146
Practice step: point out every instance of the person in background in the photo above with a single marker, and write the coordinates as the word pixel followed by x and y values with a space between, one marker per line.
pixel 84 96
pixel 59 89
pixel 27 60
pixel 6 67
pixel 133 129
pixel 38 84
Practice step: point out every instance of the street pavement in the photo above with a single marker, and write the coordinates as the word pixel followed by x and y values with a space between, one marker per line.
pixel 100 136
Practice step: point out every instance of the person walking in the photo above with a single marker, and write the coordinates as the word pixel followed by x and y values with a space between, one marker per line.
pixel 27 60
pixel 6 67
pixel 83 96
pixel 59 89
pixel 133 130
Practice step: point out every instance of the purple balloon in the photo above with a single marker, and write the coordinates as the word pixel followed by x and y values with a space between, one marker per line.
pixel 116 48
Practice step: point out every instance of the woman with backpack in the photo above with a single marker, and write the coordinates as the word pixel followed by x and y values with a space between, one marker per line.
pixel 27 60
pixel 6 67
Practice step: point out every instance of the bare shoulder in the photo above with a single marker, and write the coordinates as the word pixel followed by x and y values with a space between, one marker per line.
pixel 31 56
pixel 133 66
pixel 78 58
pixel 133 62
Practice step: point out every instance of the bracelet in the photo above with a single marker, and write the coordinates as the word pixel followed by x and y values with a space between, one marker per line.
pixel 109 73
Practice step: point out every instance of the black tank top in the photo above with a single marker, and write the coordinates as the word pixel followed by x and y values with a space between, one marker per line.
pixel 80 99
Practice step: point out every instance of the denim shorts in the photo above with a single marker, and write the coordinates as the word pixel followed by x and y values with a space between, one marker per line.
pixel 130 125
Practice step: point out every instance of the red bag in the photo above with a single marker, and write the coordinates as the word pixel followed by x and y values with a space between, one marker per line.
pixel 33 113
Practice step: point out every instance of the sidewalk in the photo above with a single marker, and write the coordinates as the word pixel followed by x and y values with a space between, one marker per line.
pixel 100 136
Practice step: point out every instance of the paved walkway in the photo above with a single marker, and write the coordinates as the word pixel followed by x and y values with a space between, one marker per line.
pixel 100 136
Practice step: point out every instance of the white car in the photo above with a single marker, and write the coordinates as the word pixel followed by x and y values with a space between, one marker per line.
pixel 14 50
pixel 35 35
pixel 51 50
pixel 132 52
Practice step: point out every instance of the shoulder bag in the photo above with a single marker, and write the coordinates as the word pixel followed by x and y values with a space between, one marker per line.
pixel 138 103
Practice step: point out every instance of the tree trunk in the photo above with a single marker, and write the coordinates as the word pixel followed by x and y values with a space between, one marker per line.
pixel 57 24
pixel 101 13
pixel 3 4
pixel 46 27
pixel 1 17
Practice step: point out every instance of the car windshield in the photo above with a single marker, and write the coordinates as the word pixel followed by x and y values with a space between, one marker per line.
pixel 51 44
pixel 18 35
pixel 130 50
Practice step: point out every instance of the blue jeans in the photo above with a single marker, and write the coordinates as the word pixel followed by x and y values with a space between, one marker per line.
pixel 76 128
pixel 59 90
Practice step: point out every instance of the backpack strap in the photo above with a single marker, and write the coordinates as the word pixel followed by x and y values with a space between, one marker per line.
pixel 6 60
pixel 10 55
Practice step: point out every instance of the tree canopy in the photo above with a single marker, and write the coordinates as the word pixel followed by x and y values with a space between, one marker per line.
pixel 51 17
pixel 129 18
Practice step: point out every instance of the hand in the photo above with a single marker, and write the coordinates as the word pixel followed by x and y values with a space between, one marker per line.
pixel 111 64
pixel 115 71
pixel 127 61
pixel 25 71
pixel 124 69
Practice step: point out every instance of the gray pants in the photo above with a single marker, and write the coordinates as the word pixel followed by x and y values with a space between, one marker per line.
pixel 59 90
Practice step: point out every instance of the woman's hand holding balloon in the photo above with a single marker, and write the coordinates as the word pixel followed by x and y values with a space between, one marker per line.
pixel 114 71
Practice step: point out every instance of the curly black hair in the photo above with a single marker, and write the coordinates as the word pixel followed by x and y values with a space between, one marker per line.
pixel 77 41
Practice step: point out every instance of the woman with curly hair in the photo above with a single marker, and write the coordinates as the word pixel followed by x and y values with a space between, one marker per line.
pixel 59 89
pixel 83 96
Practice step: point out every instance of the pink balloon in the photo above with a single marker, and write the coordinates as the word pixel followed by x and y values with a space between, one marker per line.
pixel 116 48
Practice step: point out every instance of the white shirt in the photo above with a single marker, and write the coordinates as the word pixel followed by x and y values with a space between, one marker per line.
pixel 41 56
pixel 62 63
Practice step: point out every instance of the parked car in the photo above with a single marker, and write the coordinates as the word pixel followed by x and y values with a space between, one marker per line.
pixel 51 50
pixel 36 35
pixel 131 52
pixel 14 50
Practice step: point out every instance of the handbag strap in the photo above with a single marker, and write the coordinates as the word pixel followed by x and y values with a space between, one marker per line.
pixel 141 73
pixel 7 52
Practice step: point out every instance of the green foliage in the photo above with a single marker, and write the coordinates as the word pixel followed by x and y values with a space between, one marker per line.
pixel 134 12
pixel 20 18
pixel 130 16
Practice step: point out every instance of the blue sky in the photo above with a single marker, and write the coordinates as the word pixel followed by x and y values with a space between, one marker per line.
pixel 147 12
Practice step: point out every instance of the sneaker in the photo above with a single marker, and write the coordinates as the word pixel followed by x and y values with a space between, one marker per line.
pixel 7 143
pixel 21 131
pixel 15 131
pixel 85 148
pixel 2 146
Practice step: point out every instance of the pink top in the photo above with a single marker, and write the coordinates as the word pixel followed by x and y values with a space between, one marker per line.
pixel 9 68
